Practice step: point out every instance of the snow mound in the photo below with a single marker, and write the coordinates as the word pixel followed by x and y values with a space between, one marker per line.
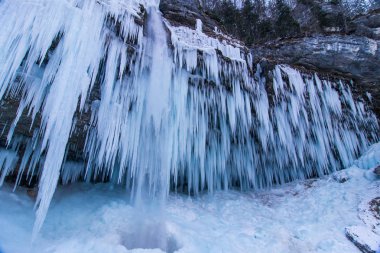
pixel 363 238
pixel 150 235
pixel 347 174
pixel 369 213
pixel 370 159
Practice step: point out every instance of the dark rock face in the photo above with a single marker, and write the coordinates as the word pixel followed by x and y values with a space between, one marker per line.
pixel 305 17
pixel 367 25
pixel 350 57
pixel 377 172
pixel 354 56
pixel 185 13
pixel 374 205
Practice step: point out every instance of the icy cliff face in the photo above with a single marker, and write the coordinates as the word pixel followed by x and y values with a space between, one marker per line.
pixel 184 112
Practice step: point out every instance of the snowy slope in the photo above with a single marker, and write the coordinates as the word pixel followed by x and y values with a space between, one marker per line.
pixel 303 216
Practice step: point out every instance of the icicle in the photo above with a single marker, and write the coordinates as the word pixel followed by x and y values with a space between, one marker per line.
pixel 198 26
pixel 190 116
pixel 8 160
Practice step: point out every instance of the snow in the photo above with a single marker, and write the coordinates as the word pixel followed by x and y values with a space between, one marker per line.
pixel 369 215
pixel 302 216
pixel 372 46
pixel 370 159
pixel 198 25
pixel 187 41
pixel 364 237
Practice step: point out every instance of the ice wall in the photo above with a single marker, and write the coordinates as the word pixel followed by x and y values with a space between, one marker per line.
pixel 177 110
pixel 51 54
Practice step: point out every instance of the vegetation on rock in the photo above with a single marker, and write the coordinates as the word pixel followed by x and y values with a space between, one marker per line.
pixel 257 21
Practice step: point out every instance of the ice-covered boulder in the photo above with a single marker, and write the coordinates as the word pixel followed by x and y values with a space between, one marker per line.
pixel 366 240
pixel 369 213
pixel 343 176
pixel 370 159
pixel 377 171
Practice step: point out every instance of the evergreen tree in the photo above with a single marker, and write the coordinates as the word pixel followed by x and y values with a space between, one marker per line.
pixel 285 25
pixel 228 14
pixel 248 21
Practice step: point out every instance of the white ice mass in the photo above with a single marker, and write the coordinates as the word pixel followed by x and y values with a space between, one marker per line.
pixel 185 113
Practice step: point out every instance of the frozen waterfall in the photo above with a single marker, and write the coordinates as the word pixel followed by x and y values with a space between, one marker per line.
pixel 160 107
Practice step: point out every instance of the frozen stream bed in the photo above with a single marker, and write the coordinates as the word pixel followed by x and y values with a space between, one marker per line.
pixel 303 216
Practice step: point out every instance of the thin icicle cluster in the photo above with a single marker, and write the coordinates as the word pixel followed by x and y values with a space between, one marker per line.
pixel 189 117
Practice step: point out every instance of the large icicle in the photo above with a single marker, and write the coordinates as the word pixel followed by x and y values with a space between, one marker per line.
pixel 65 40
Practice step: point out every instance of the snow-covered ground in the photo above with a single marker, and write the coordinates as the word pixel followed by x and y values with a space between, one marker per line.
pixel 303 216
